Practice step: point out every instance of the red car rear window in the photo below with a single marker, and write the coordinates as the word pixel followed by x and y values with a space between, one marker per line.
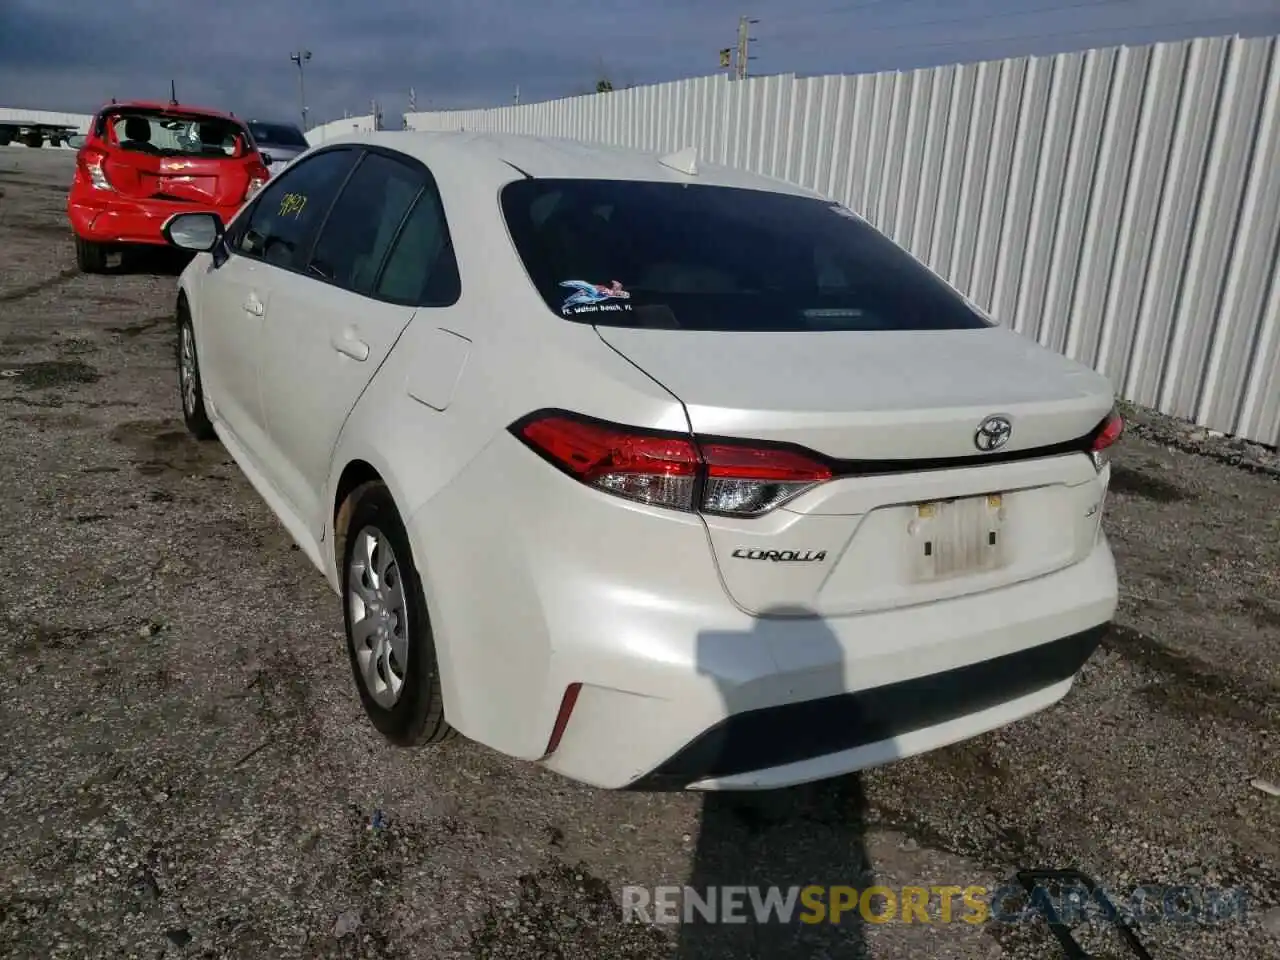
pixel 172 134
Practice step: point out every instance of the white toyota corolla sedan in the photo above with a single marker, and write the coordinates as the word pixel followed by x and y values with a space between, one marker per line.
pixel 657 473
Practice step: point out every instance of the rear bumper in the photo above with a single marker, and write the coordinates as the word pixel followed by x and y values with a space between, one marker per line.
pixel 104 219
pixel 783 743
pixel 536 584
pixel 767 703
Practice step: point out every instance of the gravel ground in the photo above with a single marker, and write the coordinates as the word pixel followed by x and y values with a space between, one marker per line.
pixel 185 769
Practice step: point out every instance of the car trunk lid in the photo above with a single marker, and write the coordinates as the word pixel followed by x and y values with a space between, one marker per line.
pixel 915 511
pixel 214 181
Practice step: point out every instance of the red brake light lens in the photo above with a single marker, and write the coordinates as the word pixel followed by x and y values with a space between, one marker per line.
pixel 651 469
pixel 1104 438
pixel 730 479
pixel 258 177
pixel 91 160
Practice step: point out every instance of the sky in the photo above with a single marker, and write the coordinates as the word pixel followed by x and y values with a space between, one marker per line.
pixel 74 55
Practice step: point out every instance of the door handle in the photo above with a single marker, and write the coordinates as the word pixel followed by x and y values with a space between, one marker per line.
pixel 253 305
pixel 350 346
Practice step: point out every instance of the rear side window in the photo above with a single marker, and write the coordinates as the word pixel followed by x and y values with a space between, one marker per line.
pixel 699 257
pixel 364 222
pixel 277 134
pixel 290 208
pixel 171 134
pixel 421 269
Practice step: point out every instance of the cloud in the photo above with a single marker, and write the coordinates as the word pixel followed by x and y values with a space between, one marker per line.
pixel 234 54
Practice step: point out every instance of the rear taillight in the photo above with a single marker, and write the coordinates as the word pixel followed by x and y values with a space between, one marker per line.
pixel 729 478
pixel 258 177
pixel 91 161
pixel 1104 438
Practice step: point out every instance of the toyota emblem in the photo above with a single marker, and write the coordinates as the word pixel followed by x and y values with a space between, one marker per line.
pixel 993 433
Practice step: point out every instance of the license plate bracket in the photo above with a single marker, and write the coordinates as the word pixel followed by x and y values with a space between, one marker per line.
pixel 957 537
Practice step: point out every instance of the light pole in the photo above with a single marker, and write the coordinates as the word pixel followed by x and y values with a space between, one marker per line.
pixel 300 57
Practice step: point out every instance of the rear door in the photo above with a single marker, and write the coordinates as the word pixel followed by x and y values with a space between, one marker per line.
pixel 381 255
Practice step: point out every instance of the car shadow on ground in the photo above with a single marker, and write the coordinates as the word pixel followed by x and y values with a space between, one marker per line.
pixel 148 261
pixel 780 840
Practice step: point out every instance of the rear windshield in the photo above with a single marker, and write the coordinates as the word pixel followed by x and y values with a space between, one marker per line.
pixel 699 257
pixel 277 134
pixel 170 134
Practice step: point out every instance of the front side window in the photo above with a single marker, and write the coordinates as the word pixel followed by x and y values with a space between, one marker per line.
pixel 699 257
pixel 290 208
pixel 364 221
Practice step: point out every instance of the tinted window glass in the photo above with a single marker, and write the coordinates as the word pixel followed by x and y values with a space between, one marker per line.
pixel 277 134
pixel 364 221
pixel 698 257
pixel 421 269
pixel 170 135
pixel 285 217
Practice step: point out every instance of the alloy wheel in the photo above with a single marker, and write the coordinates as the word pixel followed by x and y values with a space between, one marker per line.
pixel 378 614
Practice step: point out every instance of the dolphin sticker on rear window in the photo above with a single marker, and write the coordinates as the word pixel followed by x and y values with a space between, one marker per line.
pixel 592 297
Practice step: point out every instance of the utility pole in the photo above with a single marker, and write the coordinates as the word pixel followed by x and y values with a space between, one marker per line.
pixel 517 97
pixel 744 28
pixel 300 57
pixel 413 101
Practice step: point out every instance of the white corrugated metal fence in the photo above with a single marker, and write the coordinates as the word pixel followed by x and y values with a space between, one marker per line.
pixel 1121 205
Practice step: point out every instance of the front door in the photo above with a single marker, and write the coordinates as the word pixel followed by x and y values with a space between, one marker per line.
pixel 229 340
pixel 266 246
pixel 331 327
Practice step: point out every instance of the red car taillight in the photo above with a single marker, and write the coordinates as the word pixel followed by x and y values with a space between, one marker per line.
pixel 258 177
pixel 1104 438
pixel 91 160
pixel 672 470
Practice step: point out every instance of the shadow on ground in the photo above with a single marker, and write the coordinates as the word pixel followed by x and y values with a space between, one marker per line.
pixel 149 261
pixel 774 841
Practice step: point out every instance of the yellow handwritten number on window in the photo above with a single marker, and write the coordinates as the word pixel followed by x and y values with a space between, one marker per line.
pixel 292 204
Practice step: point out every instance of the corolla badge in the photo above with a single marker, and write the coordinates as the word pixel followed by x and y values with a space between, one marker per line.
pixel 586 294
pixel 993 433
pixel 781 556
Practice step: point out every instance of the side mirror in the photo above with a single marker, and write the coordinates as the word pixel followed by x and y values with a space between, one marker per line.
pixel 266 159
pixel 76 141
pixel 193 231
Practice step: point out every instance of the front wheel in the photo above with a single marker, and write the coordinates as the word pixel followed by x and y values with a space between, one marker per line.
pixel 190 388
pixel 389 639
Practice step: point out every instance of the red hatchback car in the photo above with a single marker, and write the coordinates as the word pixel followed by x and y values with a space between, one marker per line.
pixel 143 162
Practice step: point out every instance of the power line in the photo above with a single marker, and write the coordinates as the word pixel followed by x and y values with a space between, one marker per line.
pixel 847 8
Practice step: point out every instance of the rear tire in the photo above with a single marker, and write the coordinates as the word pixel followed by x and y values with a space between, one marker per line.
pixel 190 387
pixel 6 137
pixel 389 639
pixel 90 257
pixel 33 140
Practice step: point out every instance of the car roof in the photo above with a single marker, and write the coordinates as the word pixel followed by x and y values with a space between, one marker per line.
pixel 169 107
pixel 503 157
